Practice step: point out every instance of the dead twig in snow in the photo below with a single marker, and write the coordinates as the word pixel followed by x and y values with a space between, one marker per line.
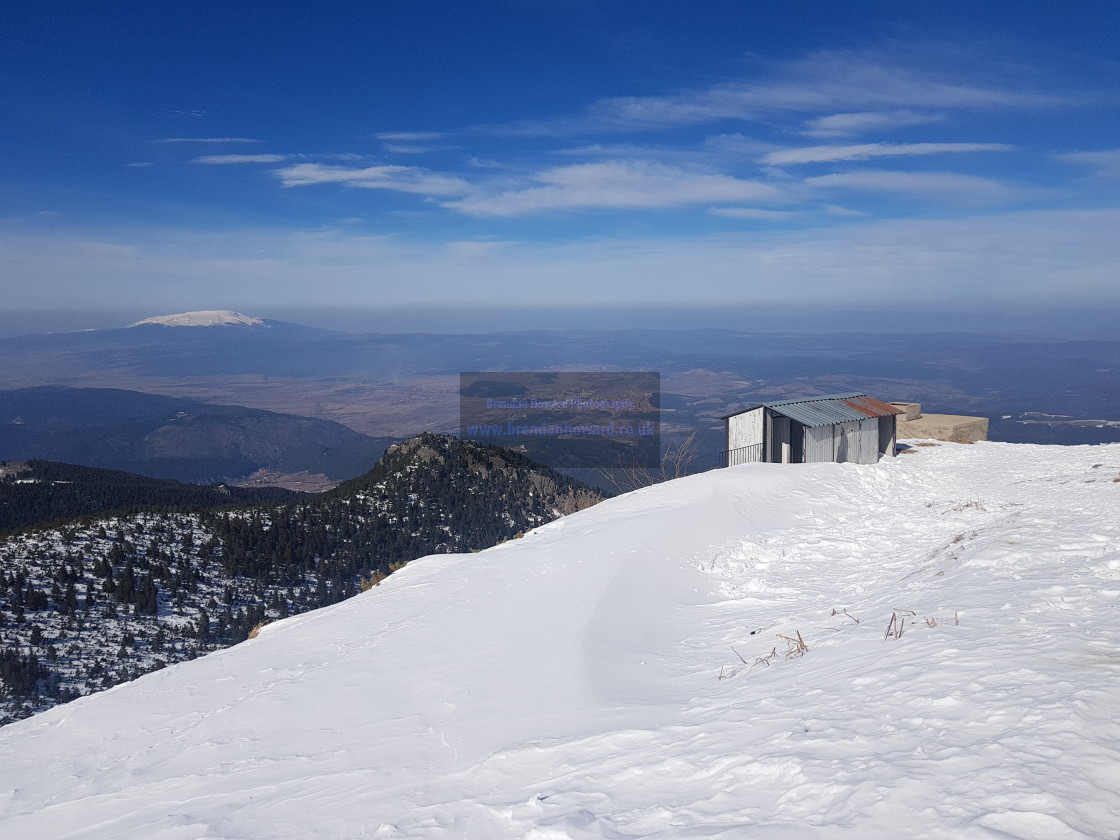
pixel 763 660
pixel 797 647
pixel 897 624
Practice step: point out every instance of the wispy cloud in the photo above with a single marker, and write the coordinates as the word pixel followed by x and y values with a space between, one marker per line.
pixel 410 136
pixel 207 140
pixel 859 81
pixel 1027 257
pixel 753 213
pixel 615 185
pixel 939 184
pixel 837 210
pixel 408 179
pixel 411 142
pixel 1106 163
pixel 410 149
pixel 859 122
pixel 865 151
pixel 223 159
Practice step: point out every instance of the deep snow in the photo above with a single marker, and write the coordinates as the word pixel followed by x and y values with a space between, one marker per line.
pixel 201 318
pixel 618 674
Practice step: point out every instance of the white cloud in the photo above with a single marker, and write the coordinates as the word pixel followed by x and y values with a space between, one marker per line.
pixel 862 81
pixel 838 210
pixel 864 151
pixel 755 213
pixel 1024 257
pixel 840 125
pixel 408 179
pixel 484 163
pixel 942 184
pixel 1106 163
pixel 224 159
pixel 207 140
pixel 409 136
pixel 409 149
pixel 411 142
pixel 615 185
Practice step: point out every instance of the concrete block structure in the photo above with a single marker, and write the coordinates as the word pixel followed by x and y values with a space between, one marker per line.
pixel 959 428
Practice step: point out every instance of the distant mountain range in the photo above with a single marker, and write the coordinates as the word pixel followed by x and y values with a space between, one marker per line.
pixel 170 437
pixel 395 385
pixel 98 600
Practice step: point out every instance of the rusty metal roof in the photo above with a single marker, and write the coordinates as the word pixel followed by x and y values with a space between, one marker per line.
pixel 828 410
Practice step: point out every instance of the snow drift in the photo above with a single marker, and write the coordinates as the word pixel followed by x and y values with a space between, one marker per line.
pixel 622 673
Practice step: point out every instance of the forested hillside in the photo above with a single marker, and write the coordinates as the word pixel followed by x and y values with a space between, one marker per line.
pixel 95 602
pixel 38 492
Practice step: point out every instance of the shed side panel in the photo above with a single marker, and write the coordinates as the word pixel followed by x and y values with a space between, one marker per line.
pixel 820 444
pixel 868 441
pixel 744 429
pixel 847 442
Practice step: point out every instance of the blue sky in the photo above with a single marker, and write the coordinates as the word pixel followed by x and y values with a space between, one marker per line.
pixel 287 156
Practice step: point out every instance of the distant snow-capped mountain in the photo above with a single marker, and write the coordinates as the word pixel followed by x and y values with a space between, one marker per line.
pixel 202 318
pixel 924 647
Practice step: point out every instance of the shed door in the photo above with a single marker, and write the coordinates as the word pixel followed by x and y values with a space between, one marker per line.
pixel 886 434
pixel 847 442
pixel 797 445
pixel 780 446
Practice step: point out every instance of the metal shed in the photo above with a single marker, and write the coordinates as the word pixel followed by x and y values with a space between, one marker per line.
pixel 852 428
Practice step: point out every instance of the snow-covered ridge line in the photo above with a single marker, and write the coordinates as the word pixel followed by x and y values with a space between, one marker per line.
pixel 202 318
pixel 623 673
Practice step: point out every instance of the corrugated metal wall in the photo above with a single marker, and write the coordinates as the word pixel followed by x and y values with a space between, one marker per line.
pixel 868 441
pixel 853 443
pixel 820 444
pixel 745 429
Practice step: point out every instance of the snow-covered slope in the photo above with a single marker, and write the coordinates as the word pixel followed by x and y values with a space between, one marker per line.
pixel 202 318
pixel 619 673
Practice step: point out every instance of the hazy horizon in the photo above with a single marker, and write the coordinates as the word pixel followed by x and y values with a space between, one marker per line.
pixel 1057 324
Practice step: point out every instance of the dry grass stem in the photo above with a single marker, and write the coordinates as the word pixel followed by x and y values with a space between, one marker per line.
pixel 797 647
pixel 897 624
pixel 763 660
